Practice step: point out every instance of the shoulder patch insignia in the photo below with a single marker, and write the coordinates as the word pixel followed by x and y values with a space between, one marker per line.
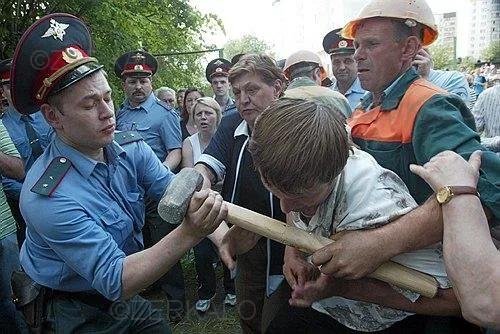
pixel 126 137
pixel 52 176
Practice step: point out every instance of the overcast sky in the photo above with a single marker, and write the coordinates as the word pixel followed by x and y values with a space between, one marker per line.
pixel 253 17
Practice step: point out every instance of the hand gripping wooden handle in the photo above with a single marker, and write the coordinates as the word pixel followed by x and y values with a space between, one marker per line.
pixel 389 272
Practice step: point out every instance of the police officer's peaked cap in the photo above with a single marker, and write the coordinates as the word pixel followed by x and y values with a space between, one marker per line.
pixel 5 66
pixel 281 63
pixel 236 58
pixel 217 67
pixel 52 55
pixel 333 43
pixel 137 64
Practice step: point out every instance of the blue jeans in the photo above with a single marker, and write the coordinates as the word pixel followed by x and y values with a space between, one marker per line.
pixel 10 319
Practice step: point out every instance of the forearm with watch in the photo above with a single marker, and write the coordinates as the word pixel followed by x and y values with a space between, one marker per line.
pixel 472 261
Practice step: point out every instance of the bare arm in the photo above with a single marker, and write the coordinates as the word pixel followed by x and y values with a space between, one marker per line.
pixel 373 291
pixel 206 211
pixel 11 166
pixel 208 176
pixel 358 253
pixel 472 260
pixel 187 154
pixel 173 159
pixel 217 236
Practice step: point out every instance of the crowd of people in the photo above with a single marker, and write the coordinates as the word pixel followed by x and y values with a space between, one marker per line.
pixel 391 158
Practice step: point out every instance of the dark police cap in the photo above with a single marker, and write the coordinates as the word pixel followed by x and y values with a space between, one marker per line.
pixel 333 43
pixel 137 64
pixel 5 66
pixel 236 58
pixel 281 63
pixel 217 67
pixel 52 55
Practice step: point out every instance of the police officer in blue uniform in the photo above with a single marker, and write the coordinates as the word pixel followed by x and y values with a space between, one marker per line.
pixel 217 73
pixel 83 198
pixel 159 125
pixel 143 112
pixel 31 135
pixel 344 67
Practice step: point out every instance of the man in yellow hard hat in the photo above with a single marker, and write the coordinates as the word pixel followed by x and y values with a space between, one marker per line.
pixel 403 120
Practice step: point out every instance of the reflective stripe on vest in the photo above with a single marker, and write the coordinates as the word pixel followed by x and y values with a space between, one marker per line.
pixel 393 125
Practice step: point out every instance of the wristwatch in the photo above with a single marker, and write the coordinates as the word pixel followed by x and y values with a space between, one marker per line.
pixel 445 194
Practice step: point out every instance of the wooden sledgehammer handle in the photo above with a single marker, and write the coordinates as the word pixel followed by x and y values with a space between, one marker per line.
pixel 389 272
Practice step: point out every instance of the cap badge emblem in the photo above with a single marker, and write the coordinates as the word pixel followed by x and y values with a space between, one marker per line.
pixel 56 30
pixel 218 69
pixel 342 44
pixel 138 68
pixel 411 23
pixel 70 55
pixel 218 62
pixel 138 57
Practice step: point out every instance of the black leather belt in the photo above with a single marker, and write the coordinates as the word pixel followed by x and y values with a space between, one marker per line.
pixel 91 299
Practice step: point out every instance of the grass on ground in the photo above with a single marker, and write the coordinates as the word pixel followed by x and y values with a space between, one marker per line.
pixel 219 319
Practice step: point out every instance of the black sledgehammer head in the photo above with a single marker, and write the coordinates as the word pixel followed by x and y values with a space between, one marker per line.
pixel 175 201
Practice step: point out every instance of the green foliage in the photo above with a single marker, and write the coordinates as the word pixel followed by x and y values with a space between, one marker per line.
pixel 246 44
pixel 492 52
pixel 468 63
pixel 442 56
pixel 15 17
pixel 118 26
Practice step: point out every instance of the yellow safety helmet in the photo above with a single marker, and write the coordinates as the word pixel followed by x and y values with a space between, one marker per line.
pixel 410 10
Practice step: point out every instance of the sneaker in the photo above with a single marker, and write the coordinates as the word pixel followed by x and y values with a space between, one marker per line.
pixel 230 299
pixel 203 305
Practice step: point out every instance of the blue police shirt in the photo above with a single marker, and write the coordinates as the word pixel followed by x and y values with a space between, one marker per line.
pixel 229 108
pixel 17 132
pixel 158 125
pixel 353 94
pixel 77 239
pixel 453 82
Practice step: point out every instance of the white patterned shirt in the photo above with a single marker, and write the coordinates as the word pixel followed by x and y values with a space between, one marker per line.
pixel 367 196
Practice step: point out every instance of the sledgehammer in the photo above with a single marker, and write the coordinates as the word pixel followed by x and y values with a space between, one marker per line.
pixel 175 201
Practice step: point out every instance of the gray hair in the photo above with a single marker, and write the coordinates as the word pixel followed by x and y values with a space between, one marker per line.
pixel 165 89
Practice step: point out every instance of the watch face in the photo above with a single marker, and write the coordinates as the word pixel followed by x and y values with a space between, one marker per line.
pixel 443 195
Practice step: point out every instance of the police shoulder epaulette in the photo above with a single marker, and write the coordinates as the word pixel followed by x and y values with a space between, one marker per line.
pixel 52 177
pixel 163 104
pixel 126 137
